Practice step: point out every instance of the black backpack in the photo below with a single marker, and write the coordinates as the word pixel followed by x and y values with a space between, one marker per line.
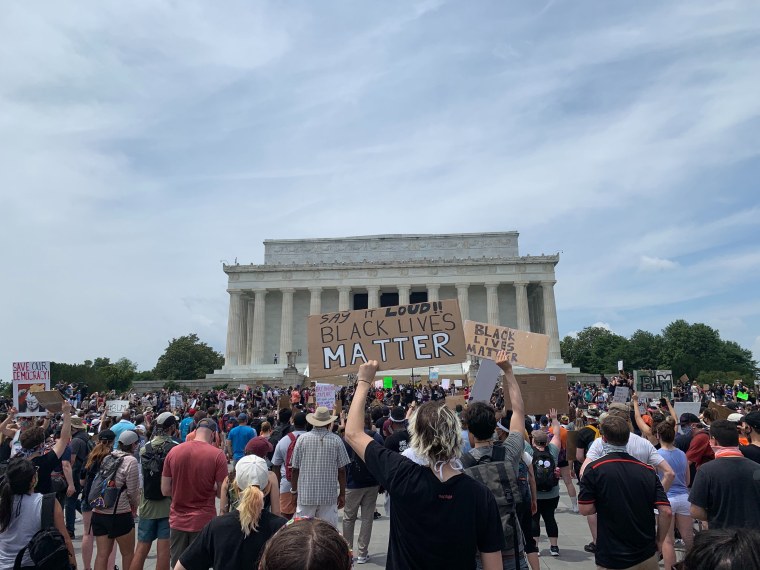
pixel 152 461
pixel 360 474
pixel 47 548
pixel 103 492
pixel 545 470
pixel 502 481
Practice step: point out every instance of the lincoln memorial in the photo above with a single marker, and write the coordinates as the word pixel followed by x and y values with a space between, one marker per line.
pixel 269 304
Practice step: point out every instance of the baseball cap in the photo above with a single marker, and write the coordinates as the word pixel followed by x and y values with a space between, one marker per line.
pixel 242 418
pixel 540 437
pixel 398 414
pixel 166 419
pixel 689 418
pixel 128 437
pixel 752 419
pixel 106 435
pixel 251 470
pixel 735 417
pixel 258 446
pixel 207 423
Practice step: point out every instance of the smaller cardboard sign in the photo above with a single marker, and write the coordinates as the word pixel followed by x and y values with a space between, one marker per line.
pixel 737 382
pixel 540 393
pixel 117 407
pixel 325 395
pixel 705 386
pixel 446 383
pixel 338 408
pixel 530 350
pixel 722 411
pixel 458 382
pixel 51 400
pixel 620 365
pixel 388 382
pixel 193 403
pixel 684 379
pixel 621 394
pixel 453 401
pixel 283 402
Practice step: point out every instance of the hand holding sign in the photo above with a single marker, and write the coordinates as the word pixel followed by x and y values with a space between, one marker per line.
pixel 503 362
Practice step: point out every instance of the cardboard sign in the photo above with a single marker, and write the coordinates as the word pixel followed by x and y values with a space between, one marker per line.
pixel 388 382
pixel 485 381
pixel 683 408
pixel 51 400
pixel 621 394
pixel 705 386
pixel 325 395
pixel 620 365
pixel 541 392
pixel 525 349
pixel 684 379
pixel 453 401
pixel 27 378
pixel 283 402
pixel 659 381
pixel 117 407
pixel 401 337
pixel 737 382
pixel 722 411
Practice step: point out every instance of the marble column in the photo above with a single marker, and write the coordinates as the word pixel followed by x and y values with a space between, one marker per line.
pixel 249 332
pixel 403 294
pixel 232 353
pixel 492 303
pixel 550 319
pixel 259 321
pixel 286 324
pixel 432 291
pixel 521 302
pixel 344 297
pixel 464 300
pixel 315 307
pixel 373 296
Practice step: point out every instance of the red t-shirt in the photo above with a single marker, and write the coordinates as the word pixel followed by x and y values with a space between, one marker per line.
pixel 194 467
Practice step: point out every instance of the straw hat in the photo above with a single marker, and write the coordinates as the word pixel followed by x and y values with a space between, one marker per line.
pixel 321 417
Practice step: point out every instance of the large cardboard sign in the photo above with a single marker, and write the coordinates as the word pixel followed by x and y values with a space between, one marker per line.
pixel 51 400
pixel 406 336
pixel 27 378
pixel 284 402
pixel 722 411
pixel 117 407
pixel 325 395
pixel 525 349
pixel 541 392
pixel 654 381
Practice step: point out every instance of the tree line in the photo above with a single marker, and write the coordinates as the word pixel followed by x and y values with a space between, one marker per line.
pixel 696 350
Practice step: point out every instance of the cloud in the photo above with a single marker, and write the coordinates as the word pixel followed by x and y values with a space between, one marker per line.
pixel 647 263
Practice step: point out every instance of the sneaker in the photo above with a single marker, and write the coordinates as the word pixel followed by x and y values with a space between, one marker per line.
pixel 554 550
pixel 362 559
pixel 590 547
pixel 377 515
pixel 575 508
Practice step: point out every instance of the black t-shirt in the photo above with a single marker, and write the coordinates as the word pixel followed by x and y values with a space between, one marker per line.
pixel 751 452
pixel 728 489
pixel 585 438
pixel 398 441
pixel 625 491
pixel 222 545
pixel 379 423
pixel 45 464
pixel 434 524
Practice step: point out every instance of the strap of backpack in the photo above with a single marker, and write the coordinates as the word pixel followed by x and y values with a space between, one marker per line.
pixel 498 453
pixel 515 540
pixel 48 511
pixel 19 557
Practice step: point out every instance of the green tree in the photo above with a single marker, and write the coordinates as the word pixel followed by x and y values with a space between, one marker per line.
pixel 595 350
pixel 187 358
pixel 644 351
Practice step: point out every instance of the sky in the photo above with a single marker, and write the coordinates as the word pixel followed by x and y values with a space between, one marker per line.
pixel 142 143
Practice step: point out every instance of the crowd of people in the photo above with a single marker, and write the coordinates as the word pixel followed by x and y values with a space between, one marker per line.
pixel 256 478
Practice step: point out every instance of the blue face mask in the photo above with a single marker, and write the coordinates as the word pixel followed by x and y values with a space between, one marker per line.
pixel 686 430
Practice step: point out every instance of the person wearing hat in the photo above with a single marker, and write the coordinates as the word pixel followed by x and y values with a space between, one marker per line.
pixel 319 469
pixel 229 496
pixel 117 523
pixel 398 436
pixel 737 419
pixel 237 539
pixel 751 427
pixel 238 438
pixel 80 446
pixel 153 511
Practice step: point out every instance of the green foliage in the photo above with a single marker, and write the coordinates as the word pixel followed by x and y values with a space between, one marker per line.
pixel 187 358
pixel 221 386
pixel 718 376
pixel 6 389
pixel 172 386
pixel 684 348
pixel 100 374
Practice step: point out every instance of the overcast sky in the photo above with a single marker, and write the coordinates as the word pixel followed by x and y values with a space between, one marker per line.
pixel 143 142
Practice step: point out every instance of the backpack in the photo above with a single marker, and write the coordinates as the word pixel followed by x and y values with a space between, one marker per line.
pixel 502 481
pixel 103 492
pixel 289 456
pixel 360 475
pixel 545 470
pixel 47 548
pixel 152 462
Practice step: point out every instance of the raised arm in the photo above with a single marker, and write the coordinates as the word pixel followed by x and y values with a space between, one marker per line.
pixel 556 437
pixel 63 441
pixel 646 431
pixel 509 386
pixel 4 429
pixel 355 436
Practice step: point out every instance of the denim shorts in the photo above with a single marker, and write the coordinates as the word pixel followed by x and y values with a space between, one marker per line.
pixel 149 530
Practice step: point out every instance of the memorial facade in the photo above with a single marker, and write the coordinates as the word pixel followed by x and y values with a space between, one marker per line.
pixel 269 304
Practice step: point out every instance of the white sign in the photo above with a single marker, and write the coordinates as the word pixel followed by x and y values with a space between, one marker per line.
pixel 485 381
pixel 445 383
pixel 433 374
pixel 379 384
pixel 458 382
pixel 621 394
pixel 117 407
pixel 229 405
pixel 175 401
pixel 27 378
pixel 324 395
pixel 193 403
pixel 620 365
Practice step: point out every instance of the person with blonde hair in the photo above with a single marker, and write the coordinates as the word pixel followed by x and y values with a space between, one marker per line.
pixel 440 518
pixel 237 539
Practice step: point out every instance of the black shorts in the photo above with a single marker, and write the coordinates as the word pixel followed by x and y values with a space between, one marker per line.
pixel 562 464
pixel 112 526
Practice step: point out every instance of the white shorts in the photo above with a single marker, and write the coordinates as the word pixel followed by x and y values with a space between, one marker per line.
pixel 680 505
pixel 328 513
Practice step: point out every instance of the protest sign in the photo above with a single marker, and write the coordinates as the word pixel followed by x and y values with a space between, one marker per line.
pixel 283 402
pixel 541 392
pixel 229 405
pixel 485 381
pixel 401 337
pixel 51 400
pixel 621 394
pixel 446 383
pixel 453 401
pixel 325 395
pixel 620 365
pixel 458 382
pixel 243 387
pixel 524 348
pixel 737 382
pixel 116 407
pixel 388 382
pixel 193 403
pixel 654 381
pixel 684 379
pixel 722 411
pixel 175 401
pixel 27 378
pixel 433 374
pixel 684 408
pixel 378 384
pixel 705 386
pixel 742 396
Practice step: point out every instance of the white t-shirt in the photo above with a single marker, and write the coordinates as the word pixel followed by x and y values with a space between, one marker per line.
pixel 637 446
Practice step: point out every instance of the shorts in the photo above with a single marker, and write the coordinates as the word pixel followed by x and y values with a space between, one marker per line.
pixel 680 504
pixel 562 463
pixel 112 526
pixel 149 530
pixel 287 503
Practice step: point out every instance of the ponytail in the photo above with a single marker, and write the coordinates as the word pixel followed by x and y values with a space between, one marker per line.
pixel 250 508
